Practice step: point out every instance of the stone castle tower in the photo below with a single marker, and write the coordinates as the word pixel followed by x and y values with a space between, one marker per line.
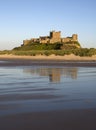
pixel 75 37
pixel 55 37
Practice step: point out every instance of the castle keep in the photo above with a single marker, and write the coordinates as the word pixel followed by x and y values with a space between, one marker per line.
pixel 53 37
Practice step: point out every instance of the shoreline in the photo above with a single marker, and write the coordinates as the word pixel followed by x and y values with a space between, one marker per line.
pixel 71 57
pixel 65 61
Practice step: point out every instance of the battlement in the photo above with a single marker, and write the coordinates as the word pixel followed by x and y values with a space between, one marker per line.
pixel 53 37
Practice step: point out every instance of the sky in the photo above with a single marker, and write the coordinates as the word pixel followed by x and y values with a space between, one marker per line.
pixel 26 19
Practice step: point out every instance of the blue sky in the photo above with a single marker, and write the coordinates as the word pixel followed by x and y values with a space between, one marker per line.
pixel 24 19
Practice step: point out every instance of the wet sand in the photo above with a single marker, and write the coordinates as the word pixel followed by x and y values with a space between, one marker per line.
pixel 46 62
pixel 52 120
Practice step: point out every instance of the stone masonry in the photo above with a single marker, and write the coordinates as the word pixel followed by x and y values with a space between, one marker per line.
pixel 54 37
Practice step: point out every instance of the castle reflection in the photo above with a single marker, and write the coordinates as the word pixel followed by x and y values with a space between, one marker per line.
pixel 54 74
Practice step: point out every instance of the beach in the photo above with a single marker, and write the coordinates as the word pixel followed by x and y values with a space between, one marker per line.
pixel 53 120
pixel 47 92
pixel 67 60
pixel 51 57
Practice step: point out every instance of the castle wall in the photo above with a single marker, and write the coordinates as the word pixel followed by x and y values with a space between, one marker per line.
pixel 25 42
pixel 53 38
pixel 44 41
pixel 70 39
pixel 66 39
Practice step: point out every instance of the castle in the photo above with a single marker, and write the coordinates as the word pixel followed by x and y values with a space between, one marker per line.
pixel 54 37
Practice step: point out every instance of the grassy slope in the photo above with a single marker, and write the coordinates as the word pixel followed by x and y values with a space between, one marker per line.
pixel 33 49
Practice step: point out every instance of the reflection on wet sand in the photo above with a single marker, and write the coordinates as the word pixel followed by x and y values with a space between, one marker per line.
pixel 54 74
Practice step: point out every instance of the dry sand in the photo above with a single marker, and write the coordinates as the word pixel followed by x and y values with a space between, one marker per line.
pixel 51 57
